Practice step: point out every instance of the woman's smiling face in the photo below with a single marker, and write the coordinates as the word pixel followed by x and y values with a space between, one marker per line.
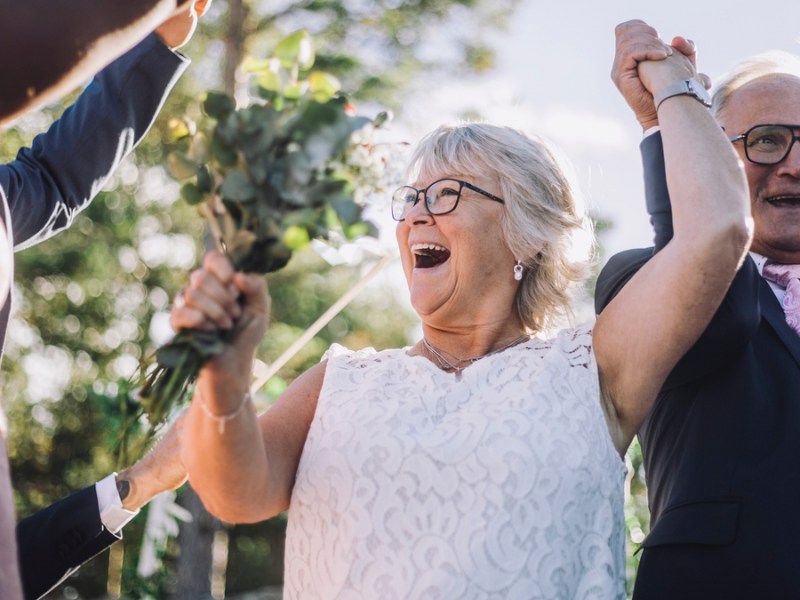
pixel 457 264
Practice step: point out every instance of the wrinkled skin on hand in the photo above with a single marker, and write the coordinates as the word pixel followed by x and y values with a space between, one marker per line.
pixel 637 42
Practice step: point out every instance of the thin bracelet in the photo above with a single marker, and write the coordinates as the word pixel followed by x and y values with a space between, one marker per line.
pixel 222 419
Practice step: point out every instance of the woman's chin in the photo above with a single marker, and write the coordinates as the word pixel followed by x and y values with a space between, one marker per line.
pixel 424 302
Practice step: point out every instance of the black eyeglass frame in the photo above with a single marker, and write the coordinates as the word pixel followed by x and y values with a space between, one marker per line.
pixel 461 185
pixel 743 137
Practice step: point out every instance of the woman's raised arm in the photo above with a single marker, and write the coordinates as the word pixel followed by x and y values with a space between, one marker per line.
pixel 241 465
pixel 662 311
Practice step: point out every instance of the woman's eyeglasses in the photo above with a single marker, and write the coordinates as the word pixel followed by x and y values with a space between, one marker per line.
pixel 441 197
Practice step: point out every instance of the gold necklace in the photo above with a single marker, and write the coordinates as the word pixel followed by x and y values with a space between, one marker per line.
pixel 456 367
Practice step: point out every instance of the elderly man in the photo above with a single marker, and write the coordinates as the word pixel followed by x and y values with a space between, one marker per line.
pixel 722 443
pixel 47 50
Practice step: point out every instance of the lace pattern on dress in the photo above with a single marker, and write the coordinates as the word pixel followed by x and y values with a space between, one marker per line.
pixel 501 484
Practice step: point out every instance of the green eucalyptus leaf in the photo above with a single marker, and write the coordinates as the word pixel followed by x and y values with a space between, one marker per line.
pixel 237 187
pixel 316 114
pixel 323 86
pixel 348 211
pixel 260 135
pixel 295 91
pixel 331 219
pixel 218 105
pixel 205 183
pixel 192 193
pixel 227 129
pixel 323 190
pixel 304 217
pixel 277 177
pixel 222 153
pixel 299 169
pixel 271 81
pixel 296 49
pixel 256 65
pixel 259 172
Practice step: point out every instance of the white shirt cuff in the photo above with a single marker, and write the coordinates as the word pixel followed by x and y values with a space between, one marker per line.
pixel 650 131
pixel 112 515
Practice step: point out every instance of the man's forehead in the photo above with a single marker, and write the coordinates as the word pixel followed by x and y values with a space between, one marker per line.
pixel 772 81
pixel 773 98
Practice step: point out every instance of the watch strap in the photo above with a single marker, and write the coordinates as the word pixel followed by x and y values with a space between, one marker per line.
pixel 687 87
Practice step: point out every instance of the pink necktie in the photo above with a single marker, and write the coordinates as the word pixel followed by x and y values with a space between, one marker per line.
pixel 787 276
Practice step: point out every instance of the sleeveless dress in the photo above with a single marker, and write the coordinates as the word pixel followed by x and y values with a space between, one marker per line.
pixel 502 482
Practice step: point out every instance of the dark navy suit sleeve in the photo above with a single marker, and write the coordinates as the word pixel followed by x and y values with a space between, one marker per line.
pixel 54 179
pixel 621 267
pixel 736 320
pixel 655 190
pixel 46 186
pixel 56 540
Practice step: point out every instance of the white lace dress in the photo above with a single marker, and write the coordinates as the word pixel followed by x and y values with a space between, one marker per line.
pixel 502 483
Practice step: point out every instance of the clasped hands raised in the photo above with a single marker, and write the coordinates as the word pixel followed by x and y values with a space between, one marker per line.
pixel 644 64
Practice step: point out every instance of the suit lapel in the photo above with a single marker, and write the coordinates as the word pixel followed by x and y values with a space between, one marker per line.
pixel 773 313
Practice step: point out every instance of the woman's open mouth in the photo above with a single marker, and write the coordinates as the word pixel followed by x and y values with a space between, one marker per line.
pixel 428 255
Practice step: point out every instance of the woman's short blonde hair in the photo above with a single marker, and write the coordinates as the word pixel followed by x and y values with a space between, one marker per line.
pixel 544 221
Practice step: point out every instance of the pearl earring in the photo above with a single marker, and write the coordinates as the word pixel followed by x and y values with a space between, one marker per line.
pixel 518 271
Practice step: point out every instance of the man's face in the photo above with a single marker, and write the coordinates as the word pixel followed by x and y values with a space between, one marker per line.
pixel 774 189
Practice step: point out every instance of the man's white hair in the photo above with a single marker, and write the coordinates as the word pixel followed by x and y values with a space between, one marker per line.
pixel 776 62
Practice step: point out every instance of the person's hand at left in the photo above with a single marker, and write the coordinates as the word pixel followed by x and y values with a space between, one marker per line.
pixel 178 29
pixel 159 470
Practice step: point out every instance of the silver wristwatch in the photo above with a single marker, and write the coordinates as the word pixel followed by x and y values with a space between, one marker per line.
pixel 687 87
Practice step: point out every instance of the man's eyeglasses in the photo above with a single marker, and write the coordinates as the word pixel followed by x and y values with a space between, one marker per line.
pixel 441 197
pixel 768 144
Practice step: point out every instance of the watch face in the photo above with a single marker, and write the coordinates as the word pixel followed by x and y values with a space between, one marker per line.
pixel 697 90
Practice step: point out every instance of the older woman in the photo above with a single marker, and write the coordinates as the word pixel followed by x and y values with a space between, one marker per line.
pixel 484 461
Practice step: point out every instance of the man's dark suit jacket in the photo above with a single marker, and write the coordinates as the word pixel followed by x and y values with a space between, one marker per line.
pixel 56 540
pixel 721 446
pixel 42 191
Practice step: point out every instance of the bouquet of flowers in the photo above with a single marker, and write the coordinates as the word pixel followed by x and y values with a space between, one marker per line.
pixel 268 179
